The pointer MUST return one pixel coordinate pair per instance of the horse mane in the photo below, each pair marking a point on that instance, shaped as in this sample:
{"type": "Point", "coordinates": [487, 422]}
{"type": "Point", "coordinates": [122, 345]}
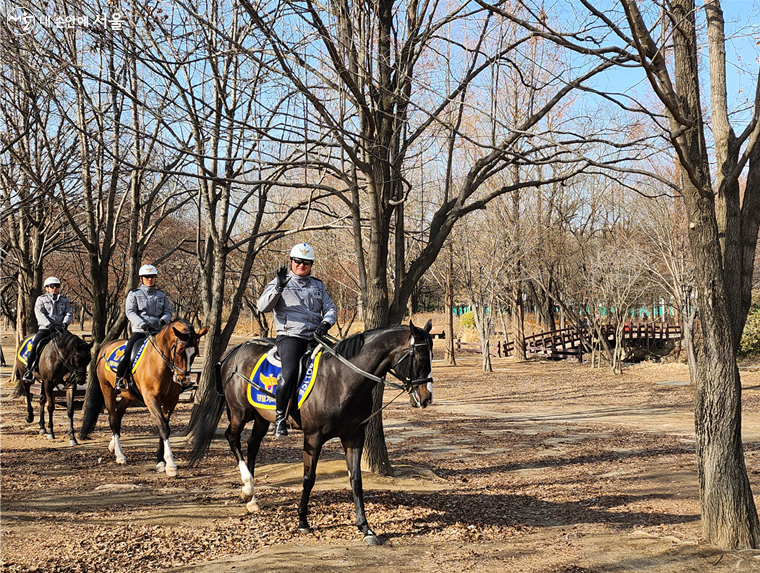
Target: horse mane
{"type": "Point", "coordinates": [350, 347]}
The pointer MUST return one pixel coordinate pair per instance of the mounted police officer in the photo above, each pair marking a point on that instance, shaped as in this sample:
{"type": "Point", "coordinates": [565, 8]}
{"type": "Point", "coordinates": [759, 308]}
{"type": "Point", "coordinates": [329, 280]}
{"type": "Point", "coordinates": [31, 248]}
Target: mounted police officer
{"type": "Point", "coordinates": [54, 314]}
{"type": "Point", "coordinates": [301, 308]}
{"type": "Point", "coordinates": [148, 310]}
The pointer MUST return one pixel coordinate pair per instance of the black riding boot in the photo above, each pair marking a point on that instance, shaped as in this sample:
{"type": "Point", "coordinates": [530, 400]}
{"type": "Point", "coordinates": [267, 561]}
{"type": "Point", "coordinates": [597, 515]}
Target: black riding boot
{"type": "Point", "coordinates": [282, 396]}
{"type": "Point", "coordinates": [34, 354]}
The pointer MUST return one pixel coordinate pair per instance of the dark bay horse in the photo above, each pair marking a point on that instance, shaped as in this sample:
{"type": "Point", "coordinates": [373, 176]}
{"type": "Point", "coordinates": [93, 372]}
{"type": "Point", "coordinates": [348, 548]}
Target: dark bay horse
{"type": "Point", "coordinates": [160, 377]}
{"type": "Point", "coordinates": [63, 362]}
{"type": "Point", "coordinates": [339, 405]}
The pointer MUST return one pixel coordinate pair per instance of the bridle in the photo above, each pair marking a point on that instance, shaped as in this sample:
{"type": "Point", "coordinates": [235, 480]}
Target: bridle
{"type": "Point", "coordinates": [63, 359]}
{"type": "Point", "coordinates": [171, 363]}
{"type": "Point", "coordinates": [409, 383]}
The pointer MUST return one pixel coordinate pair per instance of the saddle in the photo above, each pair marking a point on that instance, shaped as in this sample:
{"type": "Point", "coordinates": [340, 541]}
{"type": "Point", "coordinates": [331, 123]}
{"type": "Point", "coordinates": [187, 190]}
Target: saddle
{"type": "Point", "coordinates": [263, 380]}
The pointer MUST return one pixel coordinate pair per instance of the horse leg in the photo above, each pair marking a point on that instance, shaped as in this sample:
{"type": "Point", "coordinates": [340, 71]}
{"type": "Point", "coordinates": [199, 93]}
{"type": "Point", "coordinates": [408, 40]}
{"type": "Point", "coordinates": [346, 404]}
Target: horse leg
{"type": "Point", "coordinates": [29, 407]}
{"type": "Point", "coordinates": [50, 408]}
{"type": "Point", "coordinates": [164, 454]}
{"type": "Point", "coordinates": [70, 412]}
{"type": "Point", "coordinates": [43, 430]}
{"type": "Point", "coordinates": [353, 447]}
{"type": "Point", "coordinates": [232, 433]}
{"type": "Point", "coordinates": [115, 414]}
{"type": "Point", "coordinates": [312, 446]}
{"type": "Point", "coordinates": [260, 428]}
{"type": "Point", "coordinates": [166, 463]}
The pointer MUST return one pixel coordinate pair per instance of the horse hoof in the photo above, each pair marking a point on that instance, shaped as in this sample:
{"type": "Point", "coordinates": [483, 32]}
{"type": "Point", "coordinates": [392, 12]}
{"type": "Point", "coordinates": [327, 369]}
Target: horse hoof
{"type": "Point", "coordinates": [50, 436]}
{"type": "Point", "coordinates": [171, 471]}
{"type": "Point", "coordinates": [73, 442]}
{"type": "Point", "coordinates": [30, 418]}
{"type": "Point", "coordinates": [371, 540]}
{"type": "Point", "coordinates": [161, 467]}
{"type": "Point", "coordinates": [111, 446]}
{"type": "Point", "coordinates": [42, 432]}
{"type": "Point", "coordinates": [252, 506]}
{"type": "Point", "coordinates": [122, 461]}
{"type": "Point", "coordinates": [305, 530]}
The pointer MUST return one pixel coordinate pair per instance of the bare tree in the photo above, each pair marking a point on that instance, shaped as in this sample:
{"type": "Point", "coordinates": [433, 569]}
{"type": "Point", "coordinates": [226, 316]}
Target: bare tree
{"type": "Point", "coordinates": [665, 41]}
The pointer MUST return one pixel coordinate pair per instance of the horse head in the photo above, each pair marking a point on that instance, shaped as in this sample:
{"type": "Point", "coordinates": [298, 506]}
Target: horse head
{"type": "Point", "coordinates": [183, 342]}
{"type": "Point", "coordinates": [415, 368]}
{"type": "Point", "coordinates": [75, 354]}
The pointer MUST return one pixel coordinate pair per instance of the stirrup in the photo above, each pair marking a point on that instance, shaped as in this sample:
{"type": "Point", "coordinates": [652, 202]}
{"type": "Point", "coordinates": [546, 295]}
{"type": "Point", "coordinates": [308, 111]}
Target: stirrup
{"type": "Point", "coordinates": [121, 385]}
{"type": "Point", "coordinates": [280, 425]}
{"type": "Point", "coordinates": [28, 375]}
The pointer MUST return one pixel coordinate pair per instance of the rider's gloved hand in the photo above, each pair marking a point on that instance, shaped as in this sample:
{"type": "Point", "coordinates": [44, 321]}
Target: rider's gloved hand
{"type": "Point", "coordinates": [150, 329]}
{"type": "Point", "coordinates": [282, 278]}
{"type": "Point", "coordinates": [322, 329]}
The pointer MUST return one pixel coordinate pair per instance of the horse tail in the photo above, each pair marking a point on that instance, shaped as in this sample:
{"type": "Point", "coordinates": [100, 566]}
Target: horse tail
{"type": "Point", "coordinates": [94, 403]}
{"type": "Point", "coordinates": [19, 390]}
{"type": "Point", "coordinates": [210, 407]}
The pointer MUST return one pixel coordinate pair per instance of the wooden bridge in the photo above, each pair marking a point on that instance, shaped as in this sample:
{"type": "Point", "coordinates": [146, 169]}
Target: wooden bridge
{"type": "Point", "coordinates": [568, 342]}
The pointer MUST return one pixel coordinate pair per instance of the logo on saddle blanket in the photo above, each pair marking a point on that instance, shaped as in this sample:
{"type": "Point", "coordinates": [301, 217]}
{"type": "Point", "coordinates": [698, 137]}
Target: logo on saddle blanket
{"type": "Point", "coordinates": [25, 349]}
{"type": "Point", "coordinates": [264, 377]}
{"type": "Point", "coordinates": [117, 354]}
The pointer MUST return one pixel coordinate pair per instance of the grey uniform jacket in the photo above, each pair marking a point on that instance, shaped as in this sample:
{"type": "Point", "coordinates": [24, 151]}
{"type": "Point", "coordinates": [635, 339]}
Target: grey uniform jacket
{"type": "Point", "coordinates": [148, 306]}
{"type": "Point", "coordinates": [53, 309]}
{"type": "Point", "coordinates": [300, 307]}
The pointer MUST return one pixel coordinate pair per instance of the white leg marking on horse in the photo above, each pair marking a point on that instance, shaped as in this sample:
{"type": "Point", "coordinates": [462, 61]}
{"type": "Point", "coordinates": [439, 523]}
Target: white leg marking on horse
{"type": "Point", "coordinates": [171, 467]}
{"type": "Point", "coordinates": [115, 447]}
{"type": "Point", "coordinates": [247, 478]}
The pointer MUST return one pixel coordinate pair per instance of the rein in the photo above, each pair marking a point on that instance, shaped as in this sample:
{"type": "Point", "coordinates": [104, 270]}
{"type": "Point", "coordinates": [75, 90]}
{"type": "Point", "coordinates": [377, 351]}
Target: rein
{"type": "Point", "coordinates": [409, 383]}
{"type": "Point", "coordinates": [63, 361]}
{"type": "Point", "coordinates": [171, 365]}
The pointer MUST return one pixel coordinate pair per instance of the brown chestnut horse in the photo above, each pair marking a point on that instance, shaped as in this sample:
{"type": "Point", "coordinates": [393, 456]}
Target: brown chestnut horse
{"type": "Point", "coordinates": [161, 374]}
{"type": "Point", "coordinates": [62, 362]}
{"type": "Point", "coordinates": [339, 405]}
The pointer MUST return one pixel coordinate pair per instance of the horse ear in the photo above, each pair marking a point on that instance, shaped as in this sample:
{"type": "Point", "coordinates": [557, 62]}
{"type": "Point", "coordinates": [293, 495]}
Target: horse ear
{"type": "Point", "coordinates": [181, 335]}
{"type": "Point", "coordinates": [428, 325]}
{"type": "Point", "coordinates": [202, 331]}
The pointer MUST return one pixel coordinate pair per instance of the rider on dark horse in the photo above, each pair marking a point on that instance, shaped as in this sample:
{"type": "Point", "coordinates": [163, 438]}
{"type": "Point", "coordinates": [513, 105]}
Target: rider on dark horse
{"type": "Point", "coordinates": [54, 314]}
{"type": "Point", "coordinates": [148, 310]}
{"type": "Point", "coordinates": [301, 308]}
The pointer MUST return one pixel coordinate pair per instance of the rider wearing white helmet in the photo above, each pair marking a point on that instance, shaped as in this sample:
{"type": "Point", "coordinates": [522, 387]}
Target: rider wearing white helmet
{"type": "Point", "coordinates": [301, 308]}
{"type": "Point", "coordinates": [148, 310]}
{"type": "Point", "coordinates": [54, 313]}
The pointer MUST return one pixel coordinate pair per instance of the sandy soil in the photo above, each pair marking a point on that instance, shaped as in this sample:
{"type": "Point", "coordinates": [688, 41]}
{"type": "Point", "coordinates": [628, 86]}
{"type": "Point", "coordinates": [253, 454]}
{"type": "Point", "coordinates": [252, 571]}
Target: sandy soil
{"type": "Point", "coordinates": [536, 467]}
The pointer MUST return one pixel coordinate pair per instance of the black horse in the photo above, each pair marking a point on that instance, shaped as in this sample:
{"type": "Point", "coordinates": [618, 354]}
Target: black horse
{"type": "Point", "coordinates": [339, 405]}
{"type": "Point", "coordinates": [62, 362]}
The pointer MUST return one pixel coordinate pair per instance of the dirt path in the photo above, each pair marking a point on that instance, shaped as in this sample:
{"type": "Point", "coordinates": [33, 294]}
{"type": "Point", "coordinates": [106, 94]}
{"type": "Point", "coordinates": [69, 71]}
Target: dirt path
{"type": "Point", "coordinates": [538, 467]}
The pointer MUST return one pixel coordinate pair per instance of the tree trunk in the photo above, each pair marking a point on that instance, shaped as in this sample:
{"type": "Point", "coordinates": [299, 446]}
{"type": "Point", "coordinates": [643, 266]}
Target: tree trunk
{"type": "Point", "coordinates": [518, 322]}
{"type": "Point", "coordinates": [448, 355]}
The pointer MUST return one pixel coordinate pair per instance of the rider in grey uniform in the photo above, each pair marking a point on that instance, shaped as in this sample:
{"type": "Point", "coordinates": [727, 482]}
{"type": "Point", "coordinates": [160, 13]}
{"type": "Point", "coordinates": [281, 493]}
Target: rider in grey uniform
{"type": "Point", "coordinates": [54, 313]}
{"type": "Point", "coordinates": [301, 308]}
{"type": "Point", "coordinates": [148, 310]}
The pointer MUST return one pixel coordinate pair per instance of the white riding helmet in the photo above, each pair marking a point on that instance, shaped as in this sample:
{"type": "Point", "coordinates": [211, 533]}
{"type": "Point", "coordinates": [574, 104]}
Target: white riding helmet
{"type": "Point", "coordinates": [52, 281]}
{"type": "Point", "coordinates": [302, 251]}
{"type": "Point", "coordinates": [147, 270]}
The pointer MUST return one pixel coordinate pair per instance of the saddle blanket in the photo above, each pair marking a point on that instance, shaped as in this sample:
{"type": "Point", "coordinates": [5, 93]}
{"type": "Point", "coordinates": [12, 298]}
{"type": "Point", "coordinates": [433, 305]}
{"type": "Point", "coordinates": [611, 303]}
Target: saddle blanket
{"type": "Point", "coordinates": [264, 377]}
{"type": "Point", "coordinates": [117, 354]}
{"type": "Point", "coordinates": [25, 349]}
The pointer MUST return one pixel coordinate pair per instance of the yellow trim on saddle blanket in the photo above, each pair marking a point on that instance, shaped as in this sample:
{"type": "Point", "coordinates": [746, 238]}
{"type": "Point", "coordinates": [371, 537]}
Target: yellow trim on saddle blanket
{"type": "Point", "coordinates": [264, 375]}
{"type": "Point", "coordinates": [117, 355]}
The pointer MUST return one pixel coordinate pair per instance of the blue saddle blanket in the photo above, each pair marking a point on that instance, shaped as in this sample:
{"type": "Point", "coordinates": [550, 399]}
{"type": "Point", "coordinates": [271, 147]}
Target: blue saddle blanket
{"type": "Point", "coordinates": [263, 382]}
{"type": "Point", "coordinates": [25, 349]}
{"type": "Point", "coordinates": [117, 354]}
